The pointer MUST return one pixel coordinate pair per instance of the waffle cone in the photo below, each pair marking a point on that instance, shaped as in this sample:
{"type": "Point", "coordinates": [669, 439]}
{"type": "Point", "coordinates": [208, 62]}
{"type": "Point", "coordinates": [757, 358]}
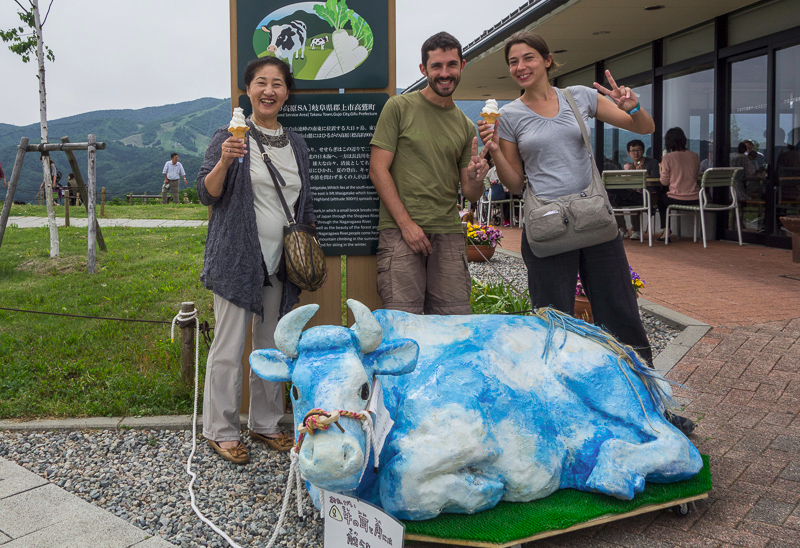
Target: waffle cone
{"type": "Point", "coordinates": [490, 117]}
{"type": "Point", "coordinates": [239, 131]}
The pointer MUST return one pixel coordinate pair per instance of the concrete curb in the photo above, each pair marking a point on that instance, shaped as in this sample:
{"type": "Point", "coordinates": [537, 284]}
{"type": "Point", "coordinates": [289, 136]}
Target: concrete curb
{"type": "Point", "coordinates": [165, 422]}
{"type": "Point", "coordinates": [691, 332]}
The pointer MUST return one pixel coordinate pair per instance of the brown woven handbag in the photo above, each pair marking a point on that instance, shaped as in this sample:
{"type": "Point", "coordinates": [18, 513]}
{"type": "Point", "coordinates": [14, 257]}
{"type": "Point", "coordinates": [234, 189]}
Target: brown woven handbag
{"type": "Point", "coordinates": [302, 255]}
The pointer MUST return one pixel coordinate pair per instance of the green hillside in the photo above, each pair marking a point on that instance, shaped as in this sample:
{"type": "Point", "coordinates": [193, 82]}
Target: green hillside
{"type": "Point", "coordinates": [138, 143]}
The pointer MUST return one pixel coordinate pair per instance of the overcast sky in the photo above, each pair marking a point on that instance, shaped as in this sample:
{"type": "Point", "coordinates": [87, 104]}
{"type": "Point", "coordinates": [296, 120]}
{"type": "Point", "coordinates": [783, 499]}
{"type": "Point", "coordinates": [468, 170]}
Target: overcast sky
{"type": "Point", "coordinates": [115, 54]}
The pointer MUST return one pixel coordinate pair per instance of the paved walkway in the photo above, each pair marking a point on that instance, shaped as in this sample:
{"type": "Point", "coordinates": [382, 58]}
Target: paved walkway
{"type": "Point", "coordinates": [742, 382]}
{"type": "Point", "coordinates": [36, 222]}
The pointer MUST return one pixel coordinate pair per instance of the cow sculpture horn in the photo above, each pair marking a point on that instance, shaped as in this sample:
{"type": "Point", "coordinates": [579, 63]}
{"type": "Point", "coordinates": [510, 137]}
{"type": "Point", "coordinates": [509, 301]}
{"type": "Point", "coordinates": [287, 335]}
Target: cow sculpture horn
{"type": "Point", "coordinates": [289, 329]}
{"type": "Point", "coordinates": [367, 329]}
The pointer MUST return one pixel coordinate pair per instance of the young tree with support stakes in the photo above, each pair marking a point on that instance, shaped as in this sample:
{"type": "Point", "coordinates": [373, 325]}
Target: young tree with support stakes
{"type": "Point", "coordinates": [23, 41]}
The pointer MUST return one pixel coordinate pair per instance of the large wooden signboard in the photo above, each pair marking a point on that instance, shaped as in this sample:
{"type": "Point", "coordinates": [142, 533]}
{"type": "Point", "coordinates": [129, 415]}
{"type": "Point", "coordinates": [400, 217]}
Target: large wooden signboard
{"type": "Point", "coordinates": [373, 74]}
{"type": "Point", "coordinates": [337, 129]}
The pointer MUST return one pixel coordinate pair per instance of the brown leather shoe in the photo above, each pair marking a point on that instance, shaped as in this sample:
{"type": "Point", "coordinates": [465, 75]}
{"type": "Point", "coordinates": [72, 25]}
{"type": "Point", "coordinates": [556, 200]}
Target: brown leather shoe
{"type": "Point", "coordinates": [284, 442]}
{"type": "Point", "coordinates": [236, 455]}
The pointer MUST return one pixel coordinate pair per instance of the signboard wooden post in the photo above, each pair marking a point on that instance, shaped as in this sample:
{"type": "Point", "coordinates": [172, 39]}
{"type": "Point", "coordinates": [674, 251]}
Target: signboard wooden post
{"type": "Point", "coordinates": [331, 62]}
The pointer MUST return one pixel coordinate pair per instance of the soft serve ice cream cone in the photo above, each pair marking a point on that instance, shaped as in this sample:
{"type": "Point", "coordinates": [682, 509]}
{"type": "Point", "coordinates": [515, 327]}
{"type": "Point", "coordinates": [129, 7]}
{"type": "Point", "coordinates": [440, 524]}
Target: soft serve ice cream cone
{"type": "Point", "coordinates": [490, 112]}
{"type": "Point", "coordinates": [238, 126]}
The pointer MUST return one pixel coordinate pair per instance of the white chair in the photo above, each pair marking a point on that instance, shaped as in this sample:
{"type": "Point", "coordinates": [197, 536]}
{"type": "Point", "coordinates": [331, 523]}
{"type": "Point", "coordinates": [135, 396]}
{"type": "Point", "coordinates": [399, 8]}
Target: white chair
{"type": "Point", "coordinates": [486, 207]}
{"type": "Point", "coordinates": [629, 179]}
{"type": "Point", "coordinates": [715, 177]}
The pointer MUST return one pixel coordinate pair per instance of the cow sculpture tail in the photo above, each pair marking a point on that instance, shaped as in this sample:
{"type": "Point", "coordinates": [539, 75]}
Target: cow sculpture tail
{"type": "Point", "coordinates": [651, 379]}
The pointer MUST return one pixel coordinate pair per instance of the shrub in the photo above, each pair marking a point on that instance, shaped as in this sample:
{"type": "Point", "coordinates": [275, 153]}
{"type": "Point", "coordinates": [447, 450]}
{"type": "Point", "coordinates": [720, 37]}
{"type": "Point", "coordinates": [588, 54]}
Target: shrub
{"type": "Point", "coordinates": [497, 299]}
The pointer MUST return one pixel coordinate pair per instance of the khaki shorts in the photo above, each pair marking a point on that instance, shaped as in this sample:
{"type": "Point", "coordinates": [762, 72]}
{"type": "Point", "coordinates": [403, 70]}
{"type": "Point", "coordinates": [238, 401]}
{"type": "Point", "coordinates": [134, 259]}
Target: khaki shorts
{"type": "Point", "coordinates": [412, 282]}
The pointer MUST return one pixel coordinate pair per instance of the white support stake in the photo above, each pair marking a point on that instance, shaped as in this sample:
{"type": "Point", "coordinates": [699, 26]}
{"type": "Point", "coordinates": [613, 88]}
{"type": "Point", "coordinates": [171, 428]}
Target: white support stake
{"type": "Point", "coordinates": [92, 257]}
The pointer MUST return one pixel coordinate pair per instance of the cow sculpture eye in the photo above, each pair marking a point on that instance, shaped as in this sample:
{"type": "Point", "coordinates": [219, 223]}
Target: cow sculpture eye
{"type": "Point", "coordinates": [295, 393]}
{"type": "Point", "coordinates": [365, 391]}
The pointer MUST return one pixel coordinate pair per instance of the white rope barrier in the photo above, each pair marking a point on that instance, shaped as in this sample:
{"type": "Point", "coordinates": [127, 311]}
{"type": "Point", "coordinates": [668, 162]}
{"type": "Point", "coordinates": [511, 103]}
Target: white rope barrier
{"type": "Point", "coordinates": [294, 468]}
{"type": "Point", "coordinates": [185, 317]}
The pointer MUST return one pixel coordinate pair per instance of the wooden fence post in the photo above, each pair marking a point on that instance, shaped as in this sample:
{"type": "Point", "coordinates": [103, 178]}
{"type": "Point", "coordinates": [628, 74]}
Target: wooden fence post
{"type": "Point", "coordinates": [103, 202]}
{"type": "Point", "coordinates": [83, 193]}
{"type": "Point", "coordinates": [12, 185]}
{"type": "Point", "coordinates": [187, 345]}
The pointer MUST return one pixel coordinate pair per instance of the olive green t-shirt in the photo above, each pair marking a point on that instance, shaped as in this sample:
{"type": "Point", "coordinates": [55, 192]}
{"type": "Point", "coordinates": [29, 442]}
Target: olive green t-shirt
{"type": "Point", "coordinates": [430, 144]}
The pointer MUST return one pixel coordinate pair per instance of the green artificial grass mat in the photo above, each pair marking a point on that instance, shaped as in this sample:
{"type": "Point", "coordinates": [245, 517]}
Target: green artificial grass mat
{"type": "Point", "coordinates": [510, 521]}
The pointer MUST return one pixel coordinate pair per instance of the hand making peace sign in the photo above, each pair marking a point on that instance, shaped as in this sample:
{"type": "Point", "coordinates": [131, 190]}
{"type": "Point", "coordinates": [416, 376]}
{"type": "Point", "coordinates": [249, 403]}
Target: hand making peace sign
{"type": "Point", "coordinates": [478, 166]}
{"type": "Point", "coordinates": [623, 97]}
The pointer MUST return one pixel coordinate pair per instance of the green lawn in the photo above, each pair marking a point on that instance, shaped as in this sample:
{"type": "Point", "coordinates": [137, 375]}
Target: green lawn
{"type": "Point", "coordinates": [57, 366]}
{"type": "Point", "coordinates": [152, 210]}
{"type": "Point", "coordinates": [53, 366]}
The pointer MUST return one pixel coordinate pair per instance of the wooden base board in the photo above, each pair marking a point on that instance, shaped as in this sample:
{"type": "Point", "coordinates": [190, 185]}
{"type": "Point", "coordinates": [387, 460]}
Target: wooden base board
{"type": "Point", "coordinates": [554, 532]}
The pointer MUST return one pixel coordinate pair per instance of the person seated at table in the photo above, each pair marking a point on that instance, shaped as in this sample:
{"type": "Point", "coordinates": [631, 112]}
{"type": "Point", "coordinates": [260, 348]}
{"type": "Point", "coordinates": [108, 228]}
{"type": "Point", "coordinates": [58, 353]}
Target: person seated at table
{"type": "Point", "coordinates": [633, 197]}
{"type": "Point", "coordinates": [680, 169]}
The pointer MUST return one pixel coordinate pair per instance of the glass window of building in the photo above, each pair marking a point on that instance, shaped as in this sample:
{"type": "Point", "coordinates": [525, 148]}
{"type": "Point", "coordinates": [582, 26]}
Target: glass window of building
{"type": "Point", "coordinates": [691, 43]}
{"type": "Point", "coordinates": [689, 104]}
{"type": "Point", "coordinates": [747, 129]}
{"type": "Point", "coordinates": [761, 20]}
{"type": "Point", "coordinates": [628, 64]}
{"type": "Point", "coordinates": [786, 153]}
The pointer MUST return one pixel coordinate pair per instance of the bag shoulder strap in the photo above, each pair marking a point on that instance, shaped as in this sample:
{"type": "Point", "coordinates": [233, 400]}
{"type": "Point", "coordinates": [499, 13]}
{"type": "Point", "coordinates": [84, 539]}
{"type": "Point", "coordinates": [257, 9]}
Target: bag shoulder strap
{"type": "Point", "coordinates": [277, 178]}
{"type": "Point", "coordinates": [596, 178]}
{"type": "Point", "coordinates": [576, 111]}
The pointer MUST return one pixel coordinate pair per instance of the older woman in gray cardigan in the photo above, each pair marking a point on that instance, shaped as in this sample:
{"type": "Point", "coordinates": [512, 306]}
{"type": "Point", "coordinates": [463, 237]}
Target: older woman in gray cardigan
{"type": "Point", "coordinates": [242, 259]}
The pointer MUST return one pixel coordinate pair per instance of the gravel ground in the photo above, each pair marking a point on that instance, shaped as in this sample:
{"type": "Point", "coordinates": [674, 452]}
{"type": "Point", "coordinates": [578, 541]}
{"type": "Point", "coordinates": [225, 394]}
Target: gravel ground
{"type": "Point", "coordinates": [140, 476]}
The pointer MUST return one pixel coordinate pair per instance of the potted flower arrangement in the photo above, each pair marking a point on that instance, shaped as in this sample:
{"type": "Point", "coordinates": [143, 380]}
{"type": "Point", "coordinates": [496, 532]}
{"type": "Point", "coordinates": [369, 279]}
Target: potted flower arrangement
{"type": "Point", "coordinates": [481, 241]}
{"type": "Point", "coordinates": [583, 309]}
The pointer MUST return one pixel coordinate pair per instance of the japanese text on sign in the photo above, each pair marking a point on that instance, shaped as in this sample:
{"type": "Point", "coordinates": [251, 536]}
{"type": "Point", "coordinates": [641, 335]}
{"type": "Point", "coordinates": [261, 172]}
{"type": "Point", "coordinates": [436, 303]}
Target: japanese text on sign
{"type": "Point", "coordinates": [352, 522]}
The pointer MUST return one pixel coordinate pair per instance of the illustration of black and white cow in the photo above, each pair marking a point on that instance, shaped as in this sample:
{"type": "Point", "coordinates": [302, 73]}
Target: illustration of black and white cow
{"type": "Point", "coordinates": [286, 40]}
{"type": "Point", "coordinates": [319, 42]}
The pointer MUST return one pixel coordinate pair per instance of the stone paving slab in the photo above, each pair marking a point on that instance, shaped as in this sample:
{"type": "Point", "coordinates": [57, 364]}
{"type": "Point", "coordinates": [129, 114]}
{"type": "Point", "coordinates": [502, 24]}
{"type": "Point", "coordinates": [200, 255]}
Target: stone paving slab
{"type": "Point", "coordinates": [14, 479]}
{"type": "Point", "coordinates": [37, 514]}
{"type": "Point", "coordinates": [95, 528]}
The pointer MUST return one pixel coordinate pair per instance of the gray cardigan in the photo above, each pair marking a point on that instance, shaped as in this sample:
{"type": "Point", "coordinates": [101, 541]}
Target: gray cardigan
{"type": "Point", "coordinates": [232, 267]}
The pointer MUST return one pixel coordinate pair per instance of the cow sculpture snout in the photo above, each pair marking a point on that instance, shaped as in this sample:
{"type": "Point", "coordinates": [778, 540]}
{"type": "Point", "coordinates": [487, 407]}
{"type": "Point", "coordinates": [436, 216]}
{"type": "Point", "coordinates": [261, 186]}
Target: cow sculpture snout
{"type": "Point", "coordinates": [332, 460]}
{"type": "Point", "coordinates": [272, 49]}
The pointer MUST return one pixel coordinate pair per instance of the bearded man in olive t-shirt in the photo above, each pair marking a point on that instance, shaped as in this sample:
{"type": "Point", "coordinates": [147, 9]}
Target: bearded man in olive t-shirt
{"type": "Point", "coordinates": [422, 149]}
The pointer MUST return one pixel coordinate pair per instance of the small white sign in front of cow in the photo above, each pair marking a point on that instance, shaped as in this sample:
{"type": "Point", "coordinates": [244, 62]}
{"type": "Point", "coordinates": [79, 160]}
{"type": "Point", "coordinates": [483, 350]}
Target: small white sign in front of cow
{"type": "Point", "coordinates": [353, 522]}
{"type": "Point", "coordinates": [382, 420]}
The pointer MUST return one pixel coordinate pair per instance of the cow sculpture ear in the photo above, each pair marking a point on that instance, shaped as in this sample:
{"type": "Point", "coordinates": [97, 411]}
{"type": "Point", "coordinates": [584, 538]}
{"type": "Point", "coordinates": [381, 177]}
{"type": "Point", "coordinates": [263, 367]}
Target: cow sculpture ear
{"type": "Point", "coordinates": [396, 357]}
{"type": "Point", "coordinates": [272, 365]}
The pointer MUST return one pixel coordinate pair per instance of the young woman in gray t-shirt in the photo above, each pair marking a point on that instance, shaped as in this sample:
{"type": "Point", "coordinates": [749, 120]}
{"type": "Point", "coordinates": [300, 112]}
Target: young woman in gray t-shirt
{"type": "Point", "coordinates": [538, 138]}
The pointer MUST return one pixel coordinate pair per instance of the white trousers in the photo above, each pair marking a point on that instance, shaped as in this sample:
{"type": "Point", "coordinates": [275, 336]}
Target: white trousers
{"type": "Point", "coordinates": [223, 387]}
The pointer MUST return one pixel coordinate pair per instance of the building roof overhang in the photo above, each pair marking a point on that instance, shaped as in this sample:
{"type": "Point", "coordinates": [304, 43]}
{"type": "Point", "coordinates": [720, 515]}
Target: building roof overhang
{"type": "Point", "coordinates": [580, 33]}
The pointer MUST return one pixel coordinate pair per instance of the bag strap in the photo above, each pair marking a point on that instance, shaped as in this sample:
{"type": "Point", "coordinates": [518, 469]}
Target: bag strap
{"type": "Point", "coordinates": [577, 113]}
{"type": "Point", "coordinates": [277, 178]}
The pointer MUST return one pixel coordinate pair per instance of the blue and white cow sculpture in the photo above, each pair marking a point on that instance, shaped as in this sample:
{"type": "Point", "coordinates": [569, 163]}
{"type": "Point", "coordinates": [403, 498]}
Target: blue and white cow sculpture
{"type": "Point", "coordinates": [486, 408]}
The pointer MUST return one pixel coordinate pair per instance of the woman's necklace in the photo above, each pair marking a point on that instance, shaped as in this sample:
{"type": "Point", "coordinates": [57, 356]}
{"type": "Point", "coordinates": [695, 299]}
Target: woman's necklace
{"type": "Point", "coordinates": [273, 141]}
